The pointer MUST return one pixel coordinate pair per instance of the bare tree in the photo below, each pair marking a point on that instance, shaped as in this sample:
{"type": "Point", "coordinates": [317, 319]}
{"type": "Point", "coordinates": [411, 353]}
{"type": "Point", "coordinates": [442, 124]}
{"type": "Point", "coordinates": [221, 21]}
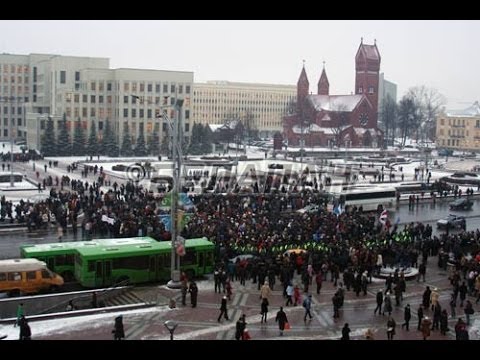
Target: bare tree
{"type": "Point", "coordinates": [340, 119]}
{"type": "Point", "coordinates": [409, 117]}
{"type": "Point", "coordinates": [388, 116]}
{"type": "Point", "coordinates": [430, 103]}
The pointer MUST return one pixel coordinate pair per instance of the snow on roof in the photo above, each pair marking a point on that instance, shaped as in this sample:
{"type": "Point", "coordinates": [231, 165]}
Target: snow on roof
{"type": "Point", "coordinates": [21, 265]}
{"type": "Point", "coordinates": [215, 127]}
{"type": "Point", "coordinates": [361, 131]}
{"type": "Point", "coordinates": [335, 102]}
{"type": "Point", "coordinates": [471, 111]}
{"type": "Point", "coordinates": [297, 129]}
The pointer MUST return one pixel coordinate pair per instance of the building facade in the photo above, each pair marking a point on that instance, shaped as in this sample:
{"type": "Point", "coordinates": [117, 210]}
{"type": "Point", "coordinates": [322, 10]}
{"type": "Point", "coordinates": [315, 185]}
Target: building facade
{"type": "Point", "coordinates": [459, 129]}
{"type": "Point", "coordinates": [259, 106]}
{"type": "Point", "coordinates": [386, 89]}
{"type": "Point", "coordinates": [338, 120]}
{"type": "Point", "coordinates": [86, 89]}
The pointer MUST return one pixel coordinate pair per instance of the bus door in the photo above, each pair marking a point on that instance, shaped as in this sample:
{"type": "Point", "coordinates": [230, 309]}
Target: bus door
{"type": "Point", "coordinates": [103, 272]}
{"type": "Point", "coordinates": [163, 268]}
{"type": "Point", "coordinates": [201, 263]}
{"type": "Point", "coordinates": [153, 268]}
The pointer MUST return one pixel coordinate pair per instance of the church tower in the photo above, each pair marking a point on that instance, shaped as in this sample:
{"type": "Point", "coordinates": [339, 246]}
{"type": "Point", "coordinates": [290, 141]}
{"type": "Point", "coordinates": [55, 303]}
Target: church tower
{"type": "Point", "coordinates": [303, 87]}
{"type": "Point", "coordinates": [367, 72]}
{"type": "Point", "coordinates": [323, 84]}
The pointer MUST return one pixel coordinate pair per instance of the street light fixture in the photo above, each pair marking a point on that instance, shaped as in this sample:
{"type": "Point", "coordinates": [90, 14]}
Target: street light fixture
{"type": "Point", "coordinates": [171, 326]}
{"type": "Point", "coordinates": [176, 131]}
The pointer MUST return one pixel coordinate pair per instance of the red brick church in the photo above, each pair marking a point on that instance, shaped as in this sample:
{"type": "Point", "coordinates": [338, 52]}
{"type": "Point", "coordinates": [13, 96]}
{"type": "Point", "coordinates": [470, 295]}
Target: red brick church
{"type": "Point", "coordinates": [338, 120]}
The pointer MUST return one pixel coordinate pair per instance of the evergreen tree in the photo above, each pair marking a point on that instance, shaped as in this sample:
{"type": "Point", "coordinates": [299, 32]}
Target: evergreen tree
{"type": "Point", "coordinates": [153, 148]}
{"type": "Point", "coordinates": [49, 147]}
{"type": "Point", "coordinates": [126, 149]}
{"type": "Point", "coordinates": [207, 140]}
{"type": "Point", "coordinates": [140, 148]}
{"type": "Point", "coordinates": [109, 143]}
{"type": "Point", "coordinates": [93, 146]}
{"type": "Point", "coordinates": [63, 143]}
{"type": "Point", "coordinates": [78, 139]}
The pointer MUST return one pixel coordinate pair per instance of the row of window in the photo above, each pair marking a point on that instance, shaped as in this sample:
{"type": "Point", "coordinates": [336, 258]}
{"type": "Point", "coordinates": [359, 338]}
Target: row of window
{"type": "Point", "coordinates": [17, 276]}
{"type": "Point", "coordinates": [19, 121]}
{"type": "Point", "coordinates": [371, 90]}
{"type": "Point", "coordinates": [20, 134]}
{"type": "Point", "coordinates": [457, 122]}
{"type": "Point", "coordinates": [12, 68]}
{"type": "Point", "coordinates": [16, 89]}
{"type": "Point", "coordinates": [5, 110]}
{"type": "Point", "coordinates": [20, 79]}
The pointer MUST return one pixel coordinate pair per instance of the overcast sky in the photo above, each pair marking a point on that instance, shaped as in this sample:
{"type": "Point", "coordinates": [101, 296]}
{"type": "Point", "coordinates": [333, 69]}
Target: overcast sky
{"type": "Point", "coordinates": [440, 54]}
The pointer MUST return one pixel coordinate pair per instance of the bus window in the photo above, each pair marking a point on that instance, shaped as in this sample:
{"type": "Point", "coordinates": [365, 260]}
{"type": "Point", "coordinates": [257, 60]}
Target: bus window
{"type": "Point", "coordinates": [99, 268]}
{"type": "Point", "coordinates": [31, 275]}
{"type": "Point", "coordinates": [14, 276]}
{"type": "Point", "coordinates": [189, 258]}
{"type": "Point", "coordinates": [3, 276]}
{"type": "Point", "coordinates": [108, 268]}
{"type": "Point", "coordinates": [69, 258]}
{"type": "Point", "coordinates": [45, 274]}
{"type": "Point", "coordinates": [201, 259]}
{"type": "Point", "coordinates": [91, 266]}
{"type": "Point", "coordinates": [209, 260]}
{"type": "Point", "coordinates": [161, 261]}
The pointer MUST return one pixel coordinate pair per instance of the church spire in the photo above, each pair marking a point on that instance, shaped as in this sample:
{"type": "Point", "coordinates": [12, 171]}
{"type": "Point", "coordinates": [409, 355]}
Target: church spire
{"type": "Point", "coordinates": [303, 86]}
{"type": "Point", "coordinates": [323, 84]}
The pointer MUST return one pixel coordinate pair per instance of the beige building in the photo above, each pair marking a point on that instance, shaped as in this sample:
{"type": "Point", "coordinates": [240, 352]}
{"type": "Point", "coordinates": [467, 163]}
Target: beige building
{"type": "Point", "coordinates": [460, 129]}
{"type": "Point", "coordinates": [263, 105]}
{"type": "Point", "coordinates": [35, 86]}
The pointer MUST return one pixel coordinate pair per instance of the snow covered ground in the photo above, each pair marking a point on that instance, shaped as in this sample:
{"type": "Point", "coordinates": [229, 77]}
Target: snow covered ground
{"type": "Point", "coordinates": [76, 323]}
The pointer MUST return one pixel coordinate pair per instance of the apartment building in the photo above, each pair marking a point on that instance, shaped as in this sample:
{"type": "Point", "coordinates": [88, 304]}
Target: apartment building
{"type": "Point", "coordinates": [459, 129]}
{"type": "Point", "coordinates": [36, 86]}
{"type": "Point", "coordinates": [260, 105]}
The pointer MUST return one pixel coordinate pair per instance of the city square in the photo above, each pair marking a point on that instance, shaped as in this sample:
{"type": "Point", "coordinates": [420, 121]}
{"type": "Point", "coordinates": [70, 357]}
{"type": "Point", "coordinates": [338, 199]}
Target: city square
{"type": "Point", "coordinates": [137, 203]}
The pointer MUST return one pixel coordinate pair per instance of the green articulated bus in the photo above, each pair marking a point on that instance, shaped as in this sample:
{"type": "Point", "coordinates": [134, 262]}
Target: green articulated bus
{"type": "Point", "coordinates": [107, 265]}
{"type": "Point", "coordinates": [60, 257]}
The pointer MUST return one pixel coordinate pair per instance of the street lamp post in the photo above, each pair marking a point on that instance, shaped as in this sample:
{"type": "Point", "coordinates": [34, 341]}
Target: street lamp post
{"type": "Point", "coordinates": [176, 131]}
{"type": "Point", "coordinates": [171, 326]}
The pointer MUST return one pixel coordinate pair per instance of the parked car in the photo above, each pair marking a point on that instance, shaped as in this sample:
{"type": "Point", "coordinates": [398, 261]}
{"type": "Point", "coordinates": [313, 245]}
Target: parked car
{"type": "Point", "coordinates": [461, 204]}
{"type": "Point", "coordinates": [452, 222]}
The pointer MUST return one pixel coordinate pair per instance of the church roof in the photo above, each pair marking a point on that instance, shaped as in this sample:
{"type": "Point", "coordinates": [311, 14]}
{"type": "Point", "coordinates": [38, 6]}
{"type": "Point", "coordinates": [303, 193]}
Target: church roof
{"type": "Point", "coordinates": [471, 111]}
{"type": "Point", "coordinates": [370, 51]}
{"type": "Point", "coordinates": [361, 131]}
{"type": "Point", "coordinates": [303, 77]}
{"type": "Point", "coordinates": [335, 102]}
{"type": "Point", "coordinates": [297, 129]}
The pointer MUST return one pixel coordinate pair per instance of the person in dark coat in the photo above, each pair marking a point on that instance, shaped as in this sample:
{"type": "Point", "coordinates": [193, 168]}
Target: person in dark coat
{"type": "Point", "coordinates": [345, 332]}
{"type": "Point", "coordinates": [184, 290]}
{"type": "Point", "coordinates": [426, 297]}
{"type": "Point", "coordinates": [281, 318]}
{"type": "Point", "coordinates": [444, 322]}
{"type": "Point", "coordinates": [240, 327]}
{"type": "Point", "coordinates": [193, 289]}
{"type": "Point", "coordinates": [379, 302]}
{"type": "Point", "coordinates": [420, 317]}
{"type": "Point", "coordinates": [390, 328]}
{"type": "Point", "coordinates": [407, 315]}
{"type": "Point", "coordinates": [118, 332]}
{"type": "Point", "coordinates": [223, 309]}
{"type": "Point", "coordinates": [25, 332]}
{"type": "Point", "coordinates": [264, 310]}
